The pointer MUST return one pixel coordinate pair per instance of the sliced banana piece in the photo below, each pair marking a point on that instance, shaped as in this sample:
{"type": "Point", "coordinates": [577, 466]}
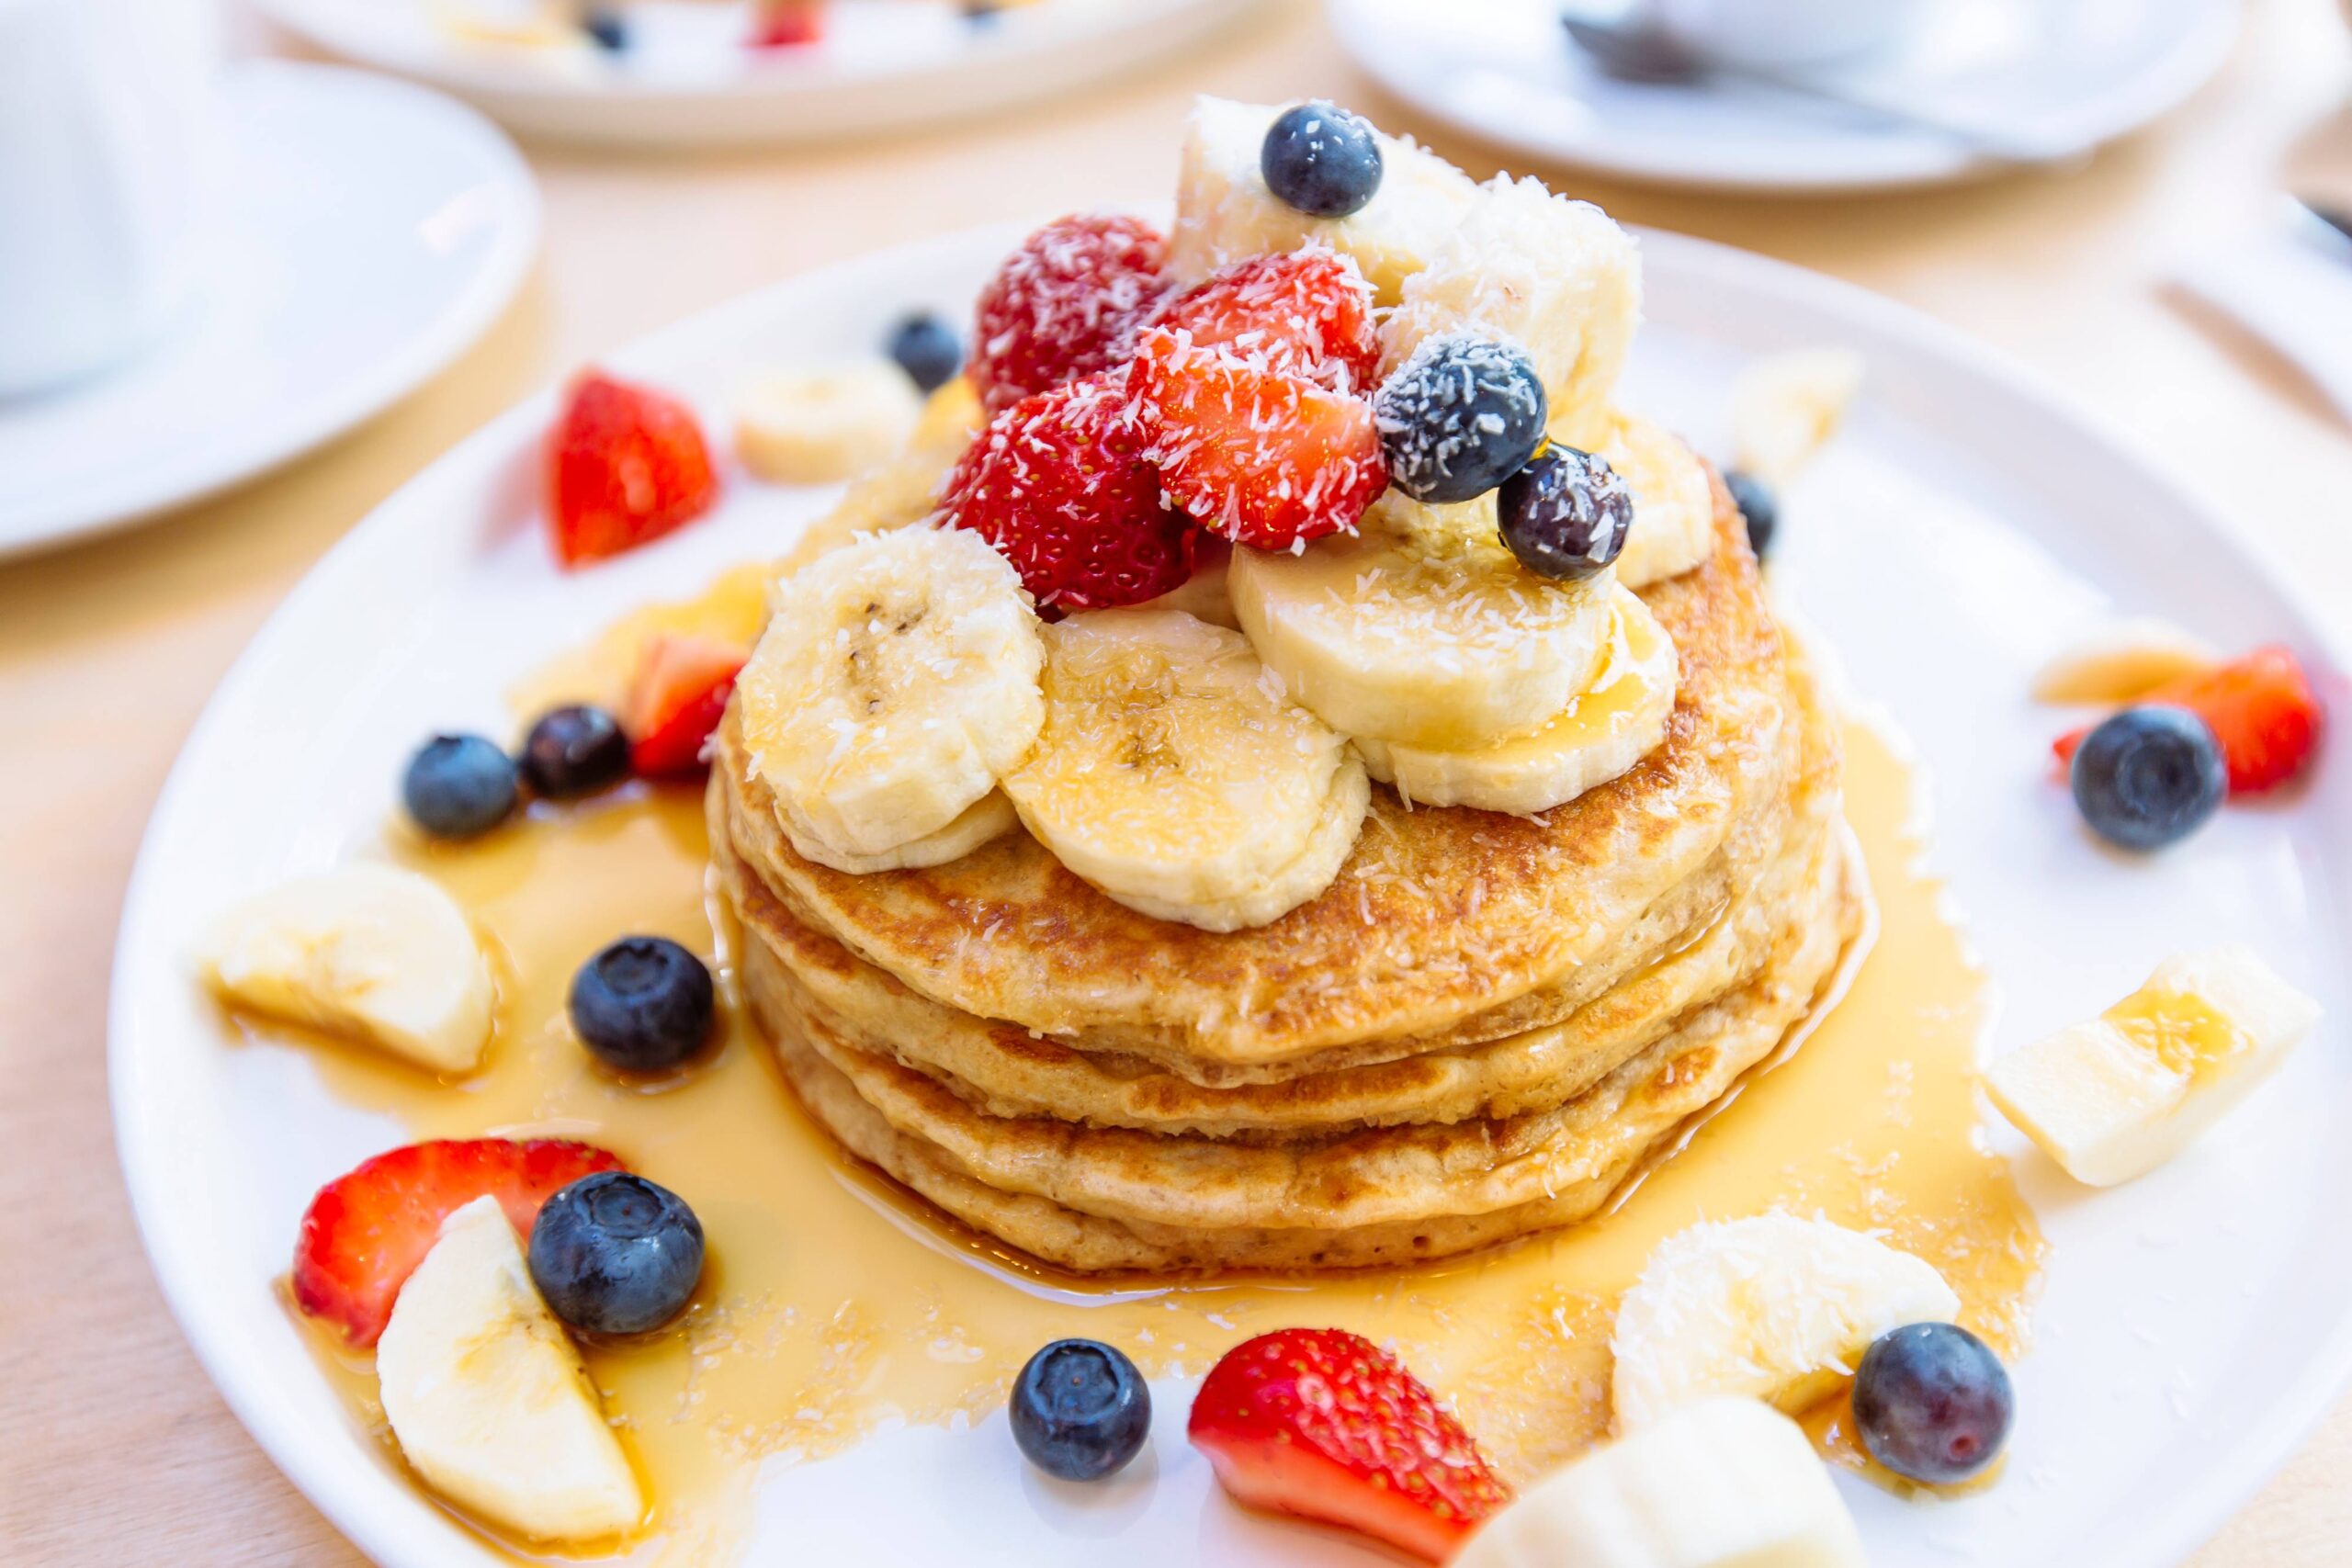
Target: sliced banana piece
{"type": "Point", "coordinates": [896, 683]}
{"type": "Point", "coordinates": [1174, 774]}
{"type": "Point", "coordinates": [1205, 594]}
{"type": "Point", "coordinates": [2123, 659]}
{"type": "Point", "coordinates": [1421, 629]}
{"type": "Point", "coordinates": [367, 953]}
{"type": "Point", "coordinates": [2114, 1098]}
{"type": "Point", "coordinates": [1603, 732]}
{"type": "Point", "coordinates": [991, 817]}
{"type": "Point", "coordinates": [1774, 1307]}
{"type": "Point", "coordinates": [808, 427]}
{"type": "Point", "coordinates": [486, 1396]}
{"type": "Point", "coordinates": [1674, 503]}
{"type": "Point", "coordinates": [1726, 1483]}
{"type": "Point", "coordinates": [1784, 408]}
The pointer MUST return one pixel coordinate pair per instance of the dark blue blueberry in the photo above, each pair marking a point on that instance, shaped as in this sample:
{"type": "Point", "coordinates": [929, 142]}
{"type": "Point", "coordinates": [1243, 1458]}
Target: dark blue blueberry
{"type": "Point", "coordinates": [458, 786]}
{"type": "Point", "coordinates": [1758, 508]}
{"type": "Point", "coordinates": [1461, 416]}
{"type": "Point", "coordinates": [1565, 515]}
{"type": "Point", "coordinates": [1079, 1410]}
{"type": "Point", "coordinates": [1932, 1403]}
{"type": "Point", "coordinates": [2149, 776]}
{"type": "Point", "coordinates": [606, 28]}
{"type": "Point", "coordinates": [643, 1004]}
{"type": "Point", "coordinates": [614, 1254]}
{"type": "Point", "coordinates": [981, 11]}
{"type": "Point", "coordinates": [572, 751]}
{"type": "Point", "coordinates": [1320, 159]}
{"type": "Point", "coordinates": [927, 349]}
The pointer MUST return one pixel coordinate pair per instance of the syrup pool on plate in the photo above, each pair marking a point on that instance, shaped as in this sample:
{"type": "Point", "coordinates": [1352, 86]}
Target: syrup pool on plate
{"type": "Point", "coordinates": [833, 1303]}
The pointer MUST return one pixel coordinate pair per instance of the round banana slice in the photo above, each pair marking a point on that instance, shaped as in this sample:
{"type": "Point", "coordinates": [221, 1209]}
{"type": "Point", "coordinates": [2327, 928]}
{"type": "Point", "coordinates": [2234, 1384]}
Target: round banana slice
{"type": "Point", "coordinates": [1174, 775]}
{"type": "Point", "coordinates": [896, 683]}
{"type": "Point", "coordinates": [1421, 628]}
{"type": "Point", "coordinates": [991, 817]}
{"type": "Point", "coordinates": [1674, 504]}
{"type": "Point", "coordinates": [1603, 732]}
{"type": "Point", "coordinates": [808, 427]}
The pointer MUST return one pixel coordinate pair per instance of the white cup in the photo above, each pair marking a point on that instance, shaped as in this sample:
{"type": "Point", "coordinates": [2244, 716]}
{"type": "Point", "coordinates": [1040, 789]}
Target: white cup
{"type": "Point", "coordinates": [1772, 35]}
{"type": "Point", "coordinates": [109, 164]}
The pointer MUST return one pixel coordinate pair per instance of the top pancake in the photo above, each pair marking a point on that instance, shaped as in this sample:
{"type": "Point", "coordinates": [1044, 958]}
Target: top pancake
{"type": "Point", "coordinates": [1442, 924]}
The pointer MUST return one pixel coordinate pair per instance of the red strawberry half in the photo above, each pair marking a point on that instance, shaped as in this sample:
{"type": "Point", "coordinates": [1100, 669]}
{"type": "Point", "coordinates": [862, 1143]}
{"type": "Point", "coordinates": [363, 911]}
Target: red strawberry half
{"type": "Point", "coordinates": [1306, 313]}
{"type": "Point", "coordinates": [1058, 485]}
{"type": "Point", "coordinates": [2260, 707]}
{"type": "Point", "coordinates": [625, 463]}
{"type": "Point", "coordinates": [781, 24]}
{"type": "Point", "coordinates": [677, 699]}
{"type": "Point", "coordinates": [1324, 1424]}
{"type": "Point", "coordinates": [1258, 456]}
{"type": "Point", "coordinates": [365, 1233]}
{"type": "Point", "coordinates": [1066, 304]}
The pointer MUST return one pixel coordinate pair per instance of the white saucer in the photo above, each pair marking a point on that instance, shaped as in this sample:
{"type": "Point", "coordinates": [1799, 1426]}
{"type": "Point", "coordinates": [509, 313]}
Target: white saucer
{"type": "Point", "coordinates": [2073, 72]}
{"type": "Point", "coordinates": [373, 231]}
{"type": "Point", "coordinates": [686, 79]}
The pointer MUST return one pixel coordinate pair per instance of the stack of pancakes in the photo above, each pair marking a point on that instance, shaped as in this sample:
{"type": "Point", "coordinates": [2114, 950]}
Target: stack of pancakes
{"type": "Point", "coordinates": [1477, 1031]}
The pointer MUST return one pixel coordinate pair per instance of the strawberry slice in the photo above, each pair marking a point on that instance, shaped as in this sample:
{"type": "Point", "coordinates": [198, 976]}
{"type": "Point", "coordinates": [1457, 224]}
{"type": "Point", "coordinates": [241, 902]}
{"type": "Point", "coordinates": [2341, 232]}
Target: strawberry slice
{"type": "Point", "coordinates": [1324, 1424]}
{"type": "Point", "coordinates": [2261, 707]}
{"type": "Point", "coordinates": [365, 1233]}
{"type": "Point", "coordinates": [781, 24]}
{"type": "Point", "coordinates": [1305, 313]}
{"type": "Point", "coordinates": [1066, 303]}
{"type": "Point", "coordinates": [677, 699]}
{"type": "Point", "coordinates": [1256, 456]}
{"type": "Point", "coordinates": [625, 463]}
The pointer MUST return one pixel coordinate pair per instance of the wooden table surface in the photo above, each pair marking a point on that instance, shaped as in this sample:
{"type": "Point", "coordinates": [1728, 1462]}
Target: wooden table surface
{"type": "Point", "coordinates": [113, 1446]}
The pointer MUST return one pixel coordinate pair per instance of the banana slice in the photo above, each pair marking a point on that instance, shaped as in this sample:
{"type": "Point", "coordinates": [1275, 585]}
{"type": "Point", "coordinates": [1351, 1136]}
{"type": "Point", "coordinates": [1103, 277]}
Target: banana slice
{"type": "Point", "coordinates": [367, 953]}
{"type": "Point", "coordinates": [991, 817]}
{"type": "Point", "coordinates": [1727, 1484]}
{"type": "Point", "coordinates": [1205, 594]}
{"type": "Point", "coordinates": [1785, 409]}
{"type": "Point", "coordinates": [1774, 1307]}
{"type": "Point", "coordinates": [1421, 629]}
{"type": "Point", "coordinates": [1673, 503]}
{"type": "Point", "coordinates": [2123, 659]}
{"type": "Point", "coordinates": [1175, 776]}
{"type": "Point", "coordinates": [896, 683]}
{"type": "Point", "coordinates": [2114, 1098]}
{"type": "Point", "coordinates": [1225, 214]}
{"type": "Point", "coordinates": [1604, 731]}
{"type": "Point", "coordinates": [486, 1396]}
{"type": "Point", "coordinates": [809, 427]}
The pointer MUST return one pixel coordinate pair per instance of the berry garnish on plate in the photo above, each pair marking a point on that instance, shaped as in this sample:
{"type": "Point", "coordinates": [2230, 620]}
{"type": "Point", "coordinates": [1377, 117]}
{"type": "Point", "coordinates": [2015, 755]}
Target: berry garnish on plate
{"type": "Point", "coordinates": [573, 749]}
{"type": "Point", "coordinates": [1308, 312]}
{"type": "Point", "coordinates": [1759, 508]}
{"type": "Point", "coordinates": [625, 463]}
{"type": "Point", "coordinates": [676, 700]}
{"type": "Point", "coordinates": [1257, 456]}
{"type": "Point", "coordinates": [642, 1004]}
{"type": "Point", "coordinates": [1079, 1410]}
{"type": "Point", "coordinates": [1324, 1424]}
{"type": "Point", "coordinates": [1066, 303]}
{"type": "Point", "coordinates": [1932, 1403]}
{"type": "Point", "coordinates": [365, 1232]}
{"type": "Point", "coordinates": [605, 27]}
{"type": "Point", "coordinates": [2149, 776]}
{"type": "Point", "coordinates": [1461, 414]}
{"type": "Point", "coordinates": [1565, 515]}
{"type": "Point", "coordinates": [458, 786]}
{"type": "Point", "coordinates": [1321, 159]}
{"type": "Point", "coordinates": [784, 23]}
{"type": "Point", "coordinates": [927, 349]}
{"type": "Point", "coordinates": [2261, 707]}
{"type": "Point", "coordinates": [614, 1253]}
{"type": "Point", "coordinates": [1058, 484]}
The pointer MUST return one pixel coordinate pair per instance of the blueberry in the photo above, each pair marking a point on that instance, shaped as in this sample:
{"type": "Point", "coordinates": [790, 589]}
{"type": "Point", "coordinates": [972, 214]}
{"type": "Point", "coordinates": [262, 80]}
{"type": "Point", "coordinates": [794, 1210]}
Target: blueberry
{"type": "Point", "coordinates": [1320, 159]}
{"type": "Point", "coordinates": [605, 27]}
{"type": "Point", "coordinates": [643, 1004]}
{"type": "Point", "coordinates": [927, 349]}
{"type": "Point", "coordinates": [2149, 776]}
{"type": "Point", "coordinates": [1461, 416]}
{"type": "Point", "coordinates": [1079, 1410]}
{"type": "Point", "coordinates": [1932, 1403]}
{"type": "Point", "coordinates": [614, 1254]}
{"type": "Point", "coordinates": [458, 786]}
{"type": "Point", "coordinates": [1758, 508]}
{"type": "Point", "coordinates": [575, 750]}
{"type": "Point", "coordinates": [1565, 515]}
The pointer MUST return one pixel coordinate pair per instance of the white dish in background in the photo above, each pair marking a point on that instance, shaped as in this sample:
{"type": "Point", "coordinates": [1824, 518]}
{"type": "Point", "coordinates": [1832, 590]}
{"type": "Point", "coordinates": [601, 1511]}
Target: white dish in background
{"type": "Point", "coordinates": [688, 80]}
{"type": "Point", "coordinates": [1962, 527]}
{"type": "Point", "coordinates": [371, 232]}
{"type": "Point", "coordinates": [2073, 72]}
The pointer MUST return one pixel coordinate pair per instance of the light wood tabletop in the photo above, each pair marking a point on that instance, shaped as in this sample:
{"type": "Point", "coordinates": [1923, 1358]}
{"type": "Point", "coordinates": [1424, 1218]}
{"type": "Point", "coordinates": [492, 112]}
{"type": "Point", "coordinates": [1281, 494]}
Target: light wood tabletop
{"type": "Point", "coordinates": [113, 1446]}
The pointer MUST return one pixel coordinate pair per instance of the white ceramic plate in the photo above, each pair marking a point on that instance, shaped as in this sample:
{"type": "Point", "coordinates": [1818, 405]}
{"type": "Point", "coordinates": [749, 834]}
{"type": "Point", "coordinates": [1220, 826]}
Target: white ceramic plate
{"type": "Point", "coordinates": [2071, 72]}
{"type": "Point", "coordinates": [1959, 529]}
{"type": "Point", "coordinates": [687, 80]}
